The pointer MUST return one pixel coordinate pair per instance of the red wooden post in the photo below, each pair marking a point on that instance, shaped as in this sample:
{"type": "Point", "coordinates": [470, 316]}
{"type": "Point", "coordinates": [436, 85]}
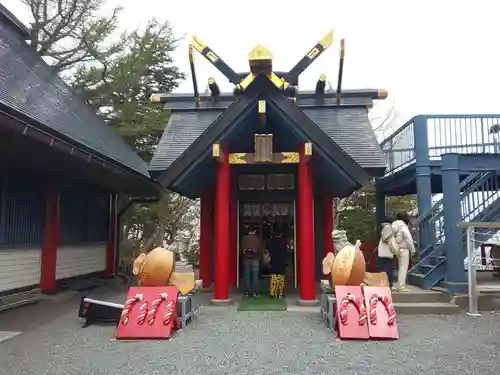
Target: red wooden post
{"type": "Point", "coordinates": [112, 236]}
{"type": "Point", "coordinates": [51, 240]}
{"type": "Point", "coordinates": [205, 239]}
{"type": "Point", "coordinates": [306, 266]}
{"type": "Point", "coordinates": [222, 227]}
{"type": "Point", "coordinates": [234, 239]}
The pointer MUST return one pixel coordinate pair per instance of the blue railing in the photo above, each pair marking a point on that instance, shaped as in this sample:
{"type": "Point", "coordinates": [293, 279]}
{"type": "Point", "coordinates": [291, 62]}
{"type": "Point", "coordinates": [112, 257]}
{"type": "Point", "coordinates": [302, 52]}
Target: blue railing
{"type": "Point", "coordinates": [480, 193]}
{"type": "Point", "coordinates": [464, 134]}
{"type": "Point", "coordinates": [399, 148]}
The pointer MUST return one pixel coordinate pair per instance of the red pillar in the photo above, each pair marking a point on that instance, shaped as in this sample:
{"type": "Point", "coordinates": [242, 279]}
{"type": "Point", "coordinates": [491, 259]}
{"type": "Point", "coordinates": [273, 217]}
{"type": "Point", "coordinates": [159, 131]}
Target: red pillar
{"type": "Point", "coordinates": [306, 266]}
{"type": "Point", "coordinates": [222, 235]}
{"type": "Point", "coordinates": [205, 239]}
{"type": "Point", "coordinates": [113, 235]}
{"type": "Point", "coordinates": [234, 238]}
{"type": "Point", "coordinates": [328, 224]}
{"type": "Point", "coordinates": [51, 240]}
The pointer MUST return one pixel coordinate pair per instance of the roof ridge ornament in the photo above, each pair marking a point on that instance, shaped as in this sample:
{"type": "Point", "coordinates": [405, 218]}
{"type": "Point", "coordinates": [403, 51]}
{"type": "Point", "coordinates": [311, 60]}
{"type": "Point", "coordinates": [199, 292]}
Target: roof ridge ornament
{"type": "Point", "coordinates": [260, 60]}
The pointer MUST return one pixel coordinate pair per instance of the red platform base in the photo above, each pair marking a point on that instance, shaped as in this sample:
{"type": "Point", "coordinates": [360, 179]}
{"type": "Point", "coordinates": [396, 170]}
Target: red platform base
{"type": "Point", "coordinates": [381, 313]}
{"type": "Point", "coordinates": [351, 313]}
{"type": "Point", "coordinates": [148, 313]}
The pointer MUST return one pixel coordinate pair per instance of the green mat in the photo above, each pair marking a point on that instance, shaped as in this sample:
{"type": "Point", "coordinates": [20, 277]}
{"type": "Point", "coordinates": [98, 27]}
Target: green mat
{"type": "Point", "coordinates": [262, 303]}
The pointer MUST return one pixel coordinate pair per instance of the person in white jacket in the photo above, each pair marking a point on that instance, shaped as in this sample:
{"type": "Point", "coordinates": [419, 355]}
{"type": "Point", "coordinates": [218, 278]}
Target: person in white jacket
{"type": "Point", "coordinates": [387, 248]}
{"type": "Point", "coordinates": [404, 240]}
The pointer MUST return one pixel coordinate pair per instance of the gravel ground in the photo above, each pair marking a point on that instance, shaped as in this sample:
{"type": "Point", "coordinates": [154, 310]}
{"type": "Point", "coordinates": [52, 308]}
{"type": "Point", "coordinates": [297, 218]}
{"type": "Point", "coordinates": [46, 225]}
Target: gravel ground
{"type": "Point", "coordinates": [224, 341]}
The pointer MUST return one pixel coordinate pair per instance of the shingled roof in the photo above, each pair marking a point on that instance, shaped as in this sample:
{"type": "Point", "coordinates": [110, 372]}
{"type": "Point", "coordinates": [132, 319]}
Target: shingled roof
{"type": "Point", "coordinates": [347, 125]}
{"type": "Point", "coordinates": [29, 88]}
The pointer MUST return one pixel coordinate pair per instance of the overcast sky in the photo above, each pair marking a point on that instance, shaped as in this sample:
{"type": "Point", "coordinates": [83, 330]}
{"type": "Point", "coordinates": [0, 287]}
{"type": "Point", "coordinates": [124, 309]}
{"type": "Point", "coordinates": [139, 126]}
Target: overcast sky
{"type": "Point", "coordinates": [434, 56]}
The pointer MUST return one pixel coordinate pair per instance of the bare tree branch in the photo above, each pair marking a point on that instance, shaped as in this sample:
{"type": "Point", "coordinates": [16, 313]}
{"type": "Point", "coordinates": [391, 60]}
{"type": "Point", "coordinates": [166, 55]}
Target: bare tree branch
{"type": "Point", "coordinates": [69, 33]}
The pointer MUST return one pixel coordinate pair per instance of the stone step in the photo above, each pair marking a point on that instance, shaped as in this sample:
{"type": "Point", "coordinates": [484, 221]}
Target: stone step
{"type": "Point", "coordinates": [19, 299]}
{"type": "Point", "coordinates": [421, 297]}
{"type": "Point", "coordinates": [429, 308]}
{"type": "Point", "coordinates": [486, 301]}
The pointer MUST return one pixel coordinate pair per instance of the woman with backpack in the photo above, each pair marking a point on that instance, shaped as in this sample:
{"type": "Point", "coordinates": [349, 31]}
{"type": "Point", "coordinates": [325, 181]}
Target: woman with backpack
{"type": "Point", "coordinates": [386, 250]}
{"type": "Point", "coordinates": [396, 240]}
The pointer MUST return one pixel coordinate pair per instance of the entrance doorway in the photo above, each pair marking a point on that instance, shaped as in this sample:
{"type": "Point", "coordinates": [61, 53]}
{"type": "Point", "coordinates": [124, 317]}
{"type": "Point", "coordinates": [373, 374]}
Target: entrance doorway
{"type": "Point", "coordinates": [267, 218]}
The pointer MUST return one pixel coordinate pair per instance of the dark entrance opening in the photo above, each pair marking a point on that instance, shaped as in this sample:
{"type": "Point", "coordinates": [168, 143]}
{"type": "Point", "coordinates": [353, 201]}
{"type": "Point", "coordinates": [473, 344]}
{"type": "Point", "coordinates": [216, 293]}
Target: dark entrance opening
{"type": "Point", "coordinates": [266, 218]}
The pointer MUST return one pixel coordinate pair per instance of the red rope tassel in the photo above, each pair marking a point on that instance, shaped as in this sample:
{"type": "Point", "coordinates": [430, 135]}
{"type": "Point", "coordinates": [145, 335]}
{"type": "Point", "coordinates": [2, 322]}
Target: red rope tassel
{"type": "Point", "coordinates": [389, 308]}
{"type": "Point", "coordinates": [154, 307]}
{"type": "Point", "coordinates": [358, 304]}
{"type": "Point", "coordinates": [127, 308]}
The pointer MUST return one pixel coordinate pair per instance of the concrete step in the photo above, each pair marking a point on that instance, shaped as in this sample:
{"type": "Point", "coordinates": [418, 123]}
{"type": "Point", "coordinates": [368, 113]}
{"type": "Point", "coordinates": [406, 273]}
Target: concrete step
{"type": "Point", "coordinates": [11, 301]}
{"type": "Point", "coordinates": [486, 301]}
{"type": "Point", "coordinates": [421, 296]}
{"type": "Point", "coordinates": [429, 308]}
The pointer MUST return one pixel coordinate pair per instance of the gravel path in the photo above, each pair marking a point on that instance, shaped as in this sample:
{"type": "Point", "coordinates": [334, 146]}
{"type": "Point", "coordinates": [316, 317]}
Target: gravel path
{"type": "Point", "coordinates": [224, 341]}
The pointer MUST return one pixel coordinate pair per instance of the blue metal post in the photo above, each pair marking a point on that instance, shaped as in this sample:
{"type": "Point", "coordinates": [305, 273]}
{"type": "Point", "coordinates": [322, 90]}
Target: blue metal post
{"type": "Point", "coordinates": [423, 177]}
{"type": "Point", "coordinates": [455, 279]}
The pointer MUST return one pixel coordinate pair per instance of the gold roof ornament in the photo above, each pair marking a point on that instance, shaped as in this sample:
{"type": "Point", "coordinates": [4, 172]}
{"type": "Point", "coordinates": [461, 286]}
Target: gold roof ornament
{"type": "Point", "coordinates": [260, 60]}
{"type": "Point", "coordinates": [260, 53]}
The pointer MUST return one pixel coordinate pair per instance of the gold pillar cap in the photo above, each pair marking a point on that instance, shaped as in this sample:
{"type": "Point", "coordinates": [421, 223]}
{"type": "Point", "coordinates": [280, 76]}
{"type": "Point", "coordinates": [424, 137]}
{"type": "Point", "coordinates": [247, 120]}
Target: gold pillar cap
{"type": "Point", "coordinates": [260, 53]}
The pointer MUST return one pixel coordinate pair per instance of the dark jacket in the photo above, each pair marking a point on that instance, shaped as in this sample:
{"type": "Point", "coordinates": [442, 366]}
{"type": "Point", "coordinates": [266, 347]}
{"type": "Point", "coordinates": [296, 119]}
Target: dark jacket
{"type": "Point", "coordinates": [278, 251]}
{"type": "Point", "coordinates": [250, 245]}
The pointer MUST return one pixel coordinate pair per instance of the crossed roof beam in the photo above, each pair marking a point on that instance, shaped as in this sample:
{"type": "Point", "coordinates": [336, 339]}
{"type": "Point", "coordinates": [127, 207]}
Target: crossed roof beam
{"type": "Point", "coordinates": [260, 61]}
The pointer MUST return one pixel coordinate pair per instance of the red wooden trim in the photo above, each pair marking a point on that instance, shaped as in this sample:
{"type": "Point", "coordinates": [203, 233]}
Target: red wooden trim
{"type": "Point", "coordinates": [51, 240]}
{"type": "Point", "coordinates": [234, 239]}
{"type": "Point", "coordinates": [205, 238]}
{"type": "Point", "coordinates": [221, 230]}
{"type": "Point", "coordinates": [305, 259]}
{"type": "Point", "coordinates": [112, 237]}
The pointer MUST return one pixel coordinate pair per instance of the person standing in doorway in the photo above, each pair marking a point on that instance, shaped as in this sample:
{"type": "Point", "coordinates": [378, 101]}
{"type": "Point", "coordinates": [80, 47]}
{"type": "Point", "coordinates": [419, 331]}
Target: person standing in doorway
{"type": "Point", "coordinates": [278, 250]}
{"type": "Point", "coordinates": [404, 240]}
{"type": "Point", "coordinates": [387, 248]}
{"type": "Point", "coordinates": [250, 248]}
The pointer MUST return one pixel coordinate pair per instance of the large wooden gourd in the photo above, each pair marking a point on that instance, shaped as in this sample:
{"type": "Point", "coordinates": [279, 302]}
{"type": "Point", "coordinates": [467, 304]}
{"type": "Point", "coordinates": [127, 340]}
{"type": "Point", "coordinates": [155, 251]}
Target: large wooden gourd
{"type": "Point", "coordinates": [155, 268]}
{"type": "Point", "coordinates": [349, 266]}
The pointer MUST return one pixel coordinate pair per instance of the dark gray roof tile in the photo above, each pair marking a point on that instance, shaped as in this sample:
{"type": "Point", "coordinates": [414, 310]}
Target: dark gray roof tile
{"type": "Point", "coordinates": [182, 130]}
{"type": "Point", "coordinates": [225, 102]}
{"type": "Point", "coordinates": [350, 128]}
{"type": "Point", "coordinates": [29, 87]}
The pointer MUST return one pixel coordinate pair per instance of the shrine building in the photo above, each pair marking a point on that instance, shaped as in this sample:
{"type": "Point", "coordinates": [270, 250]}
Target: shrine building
{"type": "Point", "coordinates": [62, 170]}
{"type": "Point", "coordinates": [267, 156]}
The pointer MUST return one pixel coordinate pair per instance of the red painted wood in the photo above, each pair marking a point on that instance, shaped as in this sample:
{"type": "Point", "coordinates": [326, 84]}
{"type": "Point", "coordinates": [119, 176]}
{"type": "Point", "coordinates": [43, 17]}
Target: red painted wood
{"type": "Point", "coordinates": [305, 258]}
{"type": "Point", "coordinates": [380, 330]}
{"type": "Point", "coordinates": [158, 330]}
{"type": "Point", "coordinates": [328, 224]}
{"type": "Point", "coordinates": [51, 240]}
{"type": "Point", "coordinates": [221, 230]}
{"type": "Point", "coordinates": [112, 237]}
{"type": "Point", "coordinates": [205, 239]}
{"type": "Point", "coordinates": [234, 239]}
{"type": "Point", "coordinates": [351, 330]}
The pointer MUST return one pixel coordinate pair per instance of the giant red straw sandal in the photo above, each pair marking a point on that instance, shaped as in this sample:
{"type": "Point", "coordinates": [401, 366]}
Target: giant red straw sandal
{"type": "Point", "coordinates": [351, 313]}
{"type": "Point", "coordinates": [382, 315]}
{"type": "Point", "coordinates": [148, 313]}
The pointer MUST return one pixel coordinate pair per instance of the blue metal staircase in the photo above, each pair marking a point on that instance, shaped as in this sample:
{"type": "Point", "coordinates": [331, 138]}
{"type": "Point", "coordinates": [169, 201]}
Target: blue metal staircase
{"type": "Point", "coordinates": [457, 156]}
{"type": "Point", "coordinates": [479, 202]}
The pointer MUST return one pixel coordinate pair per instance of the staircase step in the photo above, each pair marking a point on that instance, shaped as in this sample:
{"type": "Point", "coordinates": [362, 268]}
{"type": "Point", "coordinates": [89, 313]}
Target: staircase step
{"type": "Point", "coordinates": [434, 308]}
{"type": "Point", "coordinates": [420, 297]}
{"type": "Point", "coordinates": [19, 299]}
{"type": "Point", "coordinates": [486, 301]}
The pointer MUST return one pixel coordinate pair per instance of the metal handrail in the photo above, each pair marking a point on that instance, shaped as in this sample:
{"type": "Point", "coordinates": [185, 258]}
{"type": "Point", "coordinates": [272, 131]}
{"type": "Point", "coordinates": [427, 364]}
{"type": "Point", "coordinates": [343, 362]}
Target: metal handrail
{"type": "Point", "coordinates": [399, 130]}
{"type": "Point", "coordinates": [434, 207]}
{"type": "Point", "coordinates": [471, 257]}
